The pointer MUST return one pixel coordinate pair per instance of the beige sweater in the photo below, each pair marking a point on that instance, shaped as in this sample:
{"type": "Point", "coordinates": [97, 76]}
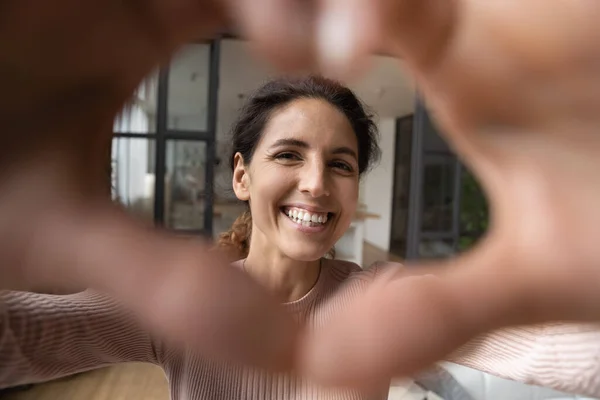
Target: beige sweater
{"type": "Point", "coordinates": [43, 337]}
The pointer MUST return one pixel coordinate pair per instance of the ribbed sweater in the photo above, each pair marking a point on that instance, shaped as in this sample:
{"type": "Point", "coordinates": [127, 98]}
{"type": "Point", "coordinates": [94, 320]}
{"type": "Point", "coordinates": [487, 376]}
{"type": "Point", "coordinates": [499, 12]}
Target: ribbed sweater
{"type": "Point", "coordinates": [44, 337]}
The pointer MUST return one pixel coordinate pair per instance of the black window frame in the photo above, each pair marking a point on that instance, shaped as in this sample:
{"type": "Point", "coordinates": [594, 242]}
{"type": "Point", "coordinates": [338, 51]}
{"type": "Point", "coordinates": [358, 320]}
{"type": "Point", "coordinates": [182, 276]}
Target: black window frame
{"type": "Point", "coordinates": [163, 134]}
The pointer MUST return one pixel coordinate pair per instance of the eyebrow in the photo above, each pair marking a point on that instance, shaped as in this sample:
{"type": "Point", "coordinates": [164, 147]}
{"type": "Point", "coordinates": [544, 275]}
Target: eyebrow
{"type": "Point", "coordinates": [304, 145]}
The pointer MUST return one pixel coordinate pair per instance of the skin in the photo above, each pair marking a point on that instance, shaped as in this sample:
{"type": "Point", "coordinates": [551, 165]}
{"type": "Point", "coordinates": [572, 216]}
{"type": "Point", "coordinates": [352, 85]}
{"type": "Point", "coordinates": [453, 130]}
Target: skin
{"type": "Point", "coordinates": [513, 84]}
{"type": "Point", "coordinates": [307, 157]}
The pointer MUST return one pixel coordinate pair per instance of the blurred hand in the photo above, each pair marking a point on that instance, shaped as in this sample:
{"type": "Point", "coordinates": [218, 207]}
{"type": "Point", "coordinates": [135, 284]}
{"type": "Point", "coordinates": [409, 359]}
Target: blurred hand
{"type": "Point", "coordinates": [512, 83]}
{"type": "Point", "coordinates": [66, 69]}
{"type": "Point", "coordinates": [515, 87]}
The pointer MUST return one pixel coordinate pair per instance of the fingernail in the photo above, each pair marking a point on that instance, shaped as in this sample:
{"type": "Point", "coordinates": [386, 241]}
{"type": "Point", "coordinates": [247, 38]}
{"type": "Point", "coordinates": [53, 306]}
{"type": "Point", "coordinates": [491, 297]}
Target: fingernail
{"type": "Point", "coordinates": [336, 42]}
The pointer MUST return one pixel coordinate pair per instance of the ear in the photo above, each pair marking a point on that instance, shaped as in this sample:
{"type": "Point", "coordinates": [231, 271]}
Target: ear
{"type": "Point", "coordinates": [241, 179]}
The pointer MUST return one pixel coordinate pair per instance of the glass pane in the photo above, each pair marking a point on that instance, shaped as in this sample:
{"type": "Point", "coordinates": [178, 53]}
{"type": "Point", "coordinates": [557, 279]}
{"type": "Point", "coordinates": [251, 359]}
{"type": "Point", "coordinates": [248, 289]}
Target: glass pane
{"type": "Point", "coordinates": [139, 116]}
{"type": "Point", "coordinates": [441, 248]}
{"type": "Point", "coordinates": [188, 89]}
{"type": "Point", "coordinates": [474, 217]}
{"type": "Point", "coordinates": [133, 175]}
{"type": "Point", "coordinates": [185, 184]}
{"type": "Point", "coordinates": [438, 194]}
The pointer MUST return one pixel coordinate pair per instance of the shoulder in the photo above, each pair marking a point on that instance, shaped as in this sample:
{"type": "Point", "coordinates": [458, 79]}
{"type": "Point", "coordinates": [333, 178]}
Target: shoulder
{"type": "Point", "coordinates": [349, 271]}
{"type": "Point", "coordinates": [342, 270]}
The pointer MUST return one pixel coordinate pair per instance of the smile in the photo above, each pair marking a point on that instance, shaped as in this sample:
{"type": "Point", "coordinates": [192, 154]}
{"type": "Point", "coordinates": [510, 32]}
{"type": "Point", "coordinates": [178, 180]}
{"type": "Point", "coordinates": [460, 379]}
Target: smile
{"type": "Point", "coordinates": [306, 218]}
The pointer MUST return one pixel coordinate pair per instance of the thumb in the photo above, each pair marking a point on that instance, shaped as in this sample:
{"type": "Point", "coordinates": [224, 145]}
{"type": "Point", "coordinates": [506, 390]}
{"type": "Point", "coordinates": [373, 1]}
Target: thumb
{"type": "Point", "coordinates": [418, 31]}
{"type": "Point", "coordinates": [178, 287]}
{"type": "Point", "coordinates": [337, 36]}
{"type": "Point", "coordinates": [281, 31]}
{"type": "Point", "coordinates": [330, 35]}
{"type": "Point", "coordinates": [403, 321]}
{"type": "Point", "coordinates": [347, 32]}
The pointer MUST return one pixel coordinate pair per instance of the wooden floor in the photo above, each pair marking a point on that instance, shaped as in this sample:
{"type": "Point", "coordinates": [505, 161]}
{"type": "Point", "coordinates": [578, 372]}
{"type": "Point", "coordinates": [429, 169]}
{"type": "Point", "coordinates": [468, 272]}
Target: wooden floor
{"type": "Point", "coordinates": [141, 381]}
{"type": "Point", "coordinates": [121, 382]}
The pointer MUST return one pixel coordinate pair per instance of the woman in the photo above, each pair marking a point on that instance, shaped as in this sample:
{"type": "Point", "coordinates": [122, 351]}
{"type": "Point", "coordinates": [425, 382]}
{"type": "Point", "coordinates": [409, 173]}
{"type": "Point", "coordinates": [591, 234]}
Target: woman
{"type": "Point", "coordinates": [299, 149]}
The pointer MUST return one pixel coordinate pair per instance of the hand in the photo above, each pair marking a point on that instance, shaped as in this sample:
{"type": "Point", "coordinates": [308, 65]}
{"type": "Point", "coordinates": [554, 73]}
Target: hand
{"type": "Point", "coordinates": [515, 87]}
{"type": "Point", "coordinates": [66, 69]}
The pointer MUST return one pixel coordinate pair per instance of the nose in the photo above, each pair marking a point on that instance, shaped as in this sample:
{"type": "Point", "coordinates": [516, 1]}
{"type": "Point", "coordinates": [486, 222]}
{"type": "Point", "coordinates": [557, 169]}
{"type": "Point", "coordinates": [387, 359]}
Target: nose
{"type": "Point", "coordinates": [314, 180]}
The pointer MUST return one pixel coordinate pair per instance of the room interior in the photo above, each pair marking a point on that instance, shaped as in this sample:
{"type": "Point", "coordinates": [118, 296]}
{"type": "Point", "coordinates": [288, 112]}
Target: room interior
{"type": "Point", "coordinates": [190, 156]}
{"type": "Point", "coordinates": [184, 200]}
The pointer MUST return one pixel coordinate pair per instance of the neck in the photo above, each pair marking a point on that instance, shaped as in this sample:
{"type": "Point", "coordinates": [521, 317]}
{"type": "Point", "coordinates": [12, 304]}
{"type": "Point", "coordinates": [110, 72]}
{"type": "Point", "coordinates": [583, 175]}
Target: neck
{"type": "Point", "coordinates": [287, 279]}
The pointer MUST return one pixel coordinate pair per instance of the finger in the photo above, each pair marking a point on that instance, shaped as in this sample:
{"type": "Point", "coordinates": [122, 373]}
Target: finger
{"type": "Point", "coordinates": [281, 31]}
{"type": "Point", "coordinates": [419, 30]}
{"type": "Point", "coordinates": [51, 52]}
{"type": "Point", "coordinates": [181, 290]}
{"type": "Point", "coordinates": [328, 35]}
{"type": "Point", "coordinates": [403, 323]}
{"type": "Point", "coordinates": [416, 30]}
{"type": "Point", "coordinates": [347, 33]}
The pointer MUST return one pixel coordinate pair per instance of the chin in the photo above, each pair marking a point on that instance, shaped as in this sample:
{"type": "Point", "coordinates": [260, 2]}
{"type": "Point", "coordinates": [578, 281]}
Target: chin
{"type": "Point", "coordinates": [306, 254]}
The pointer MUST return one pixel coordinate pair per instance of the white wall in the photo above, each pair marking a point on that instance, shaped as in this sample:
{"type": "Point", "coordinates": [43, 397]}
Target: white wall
{"type": "Point", "coordinates": [378, 186]}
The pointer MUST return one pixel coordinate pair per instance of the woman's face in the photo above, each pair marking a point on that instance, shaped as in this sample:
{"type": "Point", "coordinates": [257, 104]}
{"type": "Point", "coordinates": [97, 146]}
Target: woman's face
{"type": "Point", "coordinates": [302, 183]}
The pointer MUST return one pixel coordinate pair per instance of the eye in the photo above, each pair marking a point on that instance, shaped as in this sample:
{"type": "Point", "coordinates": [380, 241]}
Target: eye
{"type": "Point", "coordinates": [288, 156]}
{"type": "Point", "coordinates": [344, 166]}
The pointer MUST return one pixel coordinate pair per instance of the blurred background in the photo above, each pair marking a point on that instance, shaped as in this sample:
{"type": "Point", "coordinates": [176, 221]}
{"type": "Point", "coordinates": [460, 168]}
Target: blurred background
{"type": "Point", "coordinates": [420, 202]}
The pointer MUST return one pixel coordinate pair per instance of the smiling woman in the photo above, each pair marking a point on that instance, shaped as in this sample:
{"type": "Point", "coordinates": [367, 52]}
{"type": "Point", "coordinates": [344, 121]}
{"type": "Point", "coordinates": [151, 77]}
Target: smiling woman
{"type": "Point", "coordinates": [301, 147]}
{"type": "Point", "coordinates": [311, 139]}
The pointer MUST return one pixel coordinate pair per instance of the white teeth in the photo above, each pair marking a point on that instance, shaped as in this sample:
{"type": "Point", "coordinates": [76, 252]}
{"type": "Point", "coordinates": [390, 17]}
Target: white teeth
{"type": "Point", "coordinates": [305, 218]}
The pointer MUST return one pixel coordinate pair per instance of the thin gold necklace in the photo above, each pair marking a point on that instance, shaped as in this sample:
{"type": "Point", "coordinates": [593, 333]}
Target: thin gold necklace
{"type": "Point", "coordinates": [318, 275]}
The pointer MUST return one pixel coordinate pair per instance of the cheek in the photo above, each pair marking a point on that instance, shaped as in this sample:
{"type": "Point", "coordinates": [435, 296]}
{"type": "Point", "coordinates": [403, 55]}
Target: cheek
{"type": "Point", "coordinates": [269, 187]}
{"type": "Point", "coordinates": [348, 197]}
{"type": "Point", "coordinates": [350, 188]}
{"type": "Point", "coordinates": [349, 206]}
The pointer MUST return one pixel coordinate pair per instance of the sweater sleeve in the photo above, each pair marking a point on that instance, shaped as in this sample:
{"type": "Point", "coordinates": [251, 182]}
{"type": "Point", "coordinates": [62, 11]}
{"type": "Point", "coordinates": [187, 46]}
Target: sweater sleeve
{"type": "Point", "coordinates": [44, 337]}
{"type": "Point", "coordinates": [564, 357]}
{"type": "Point", "coordinates": [561, 356]}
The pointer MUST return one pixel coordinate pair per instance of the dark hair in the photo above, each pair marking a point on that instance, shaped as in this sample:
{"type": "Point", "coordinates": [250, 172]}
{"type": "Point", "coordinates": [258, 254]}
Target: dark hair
{"type": "Point", "coordinates": [248, 129]}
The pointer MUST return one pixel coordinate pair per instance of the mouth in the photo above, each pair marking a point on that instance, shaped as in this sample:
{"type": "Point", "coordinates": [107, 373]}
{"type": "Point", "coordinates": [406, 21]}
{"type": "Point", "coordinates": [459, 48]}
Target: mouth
{"type": "Point", "coordinates": [306, 218]}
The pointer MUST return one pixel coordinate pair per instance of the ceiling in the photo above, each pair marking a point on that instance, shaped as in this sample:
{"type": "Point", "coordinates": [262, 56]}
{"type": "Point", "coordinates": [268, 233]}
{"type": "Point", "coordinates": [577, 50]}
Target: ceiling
{"type": "Point", "coordinates": [385, 89]}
